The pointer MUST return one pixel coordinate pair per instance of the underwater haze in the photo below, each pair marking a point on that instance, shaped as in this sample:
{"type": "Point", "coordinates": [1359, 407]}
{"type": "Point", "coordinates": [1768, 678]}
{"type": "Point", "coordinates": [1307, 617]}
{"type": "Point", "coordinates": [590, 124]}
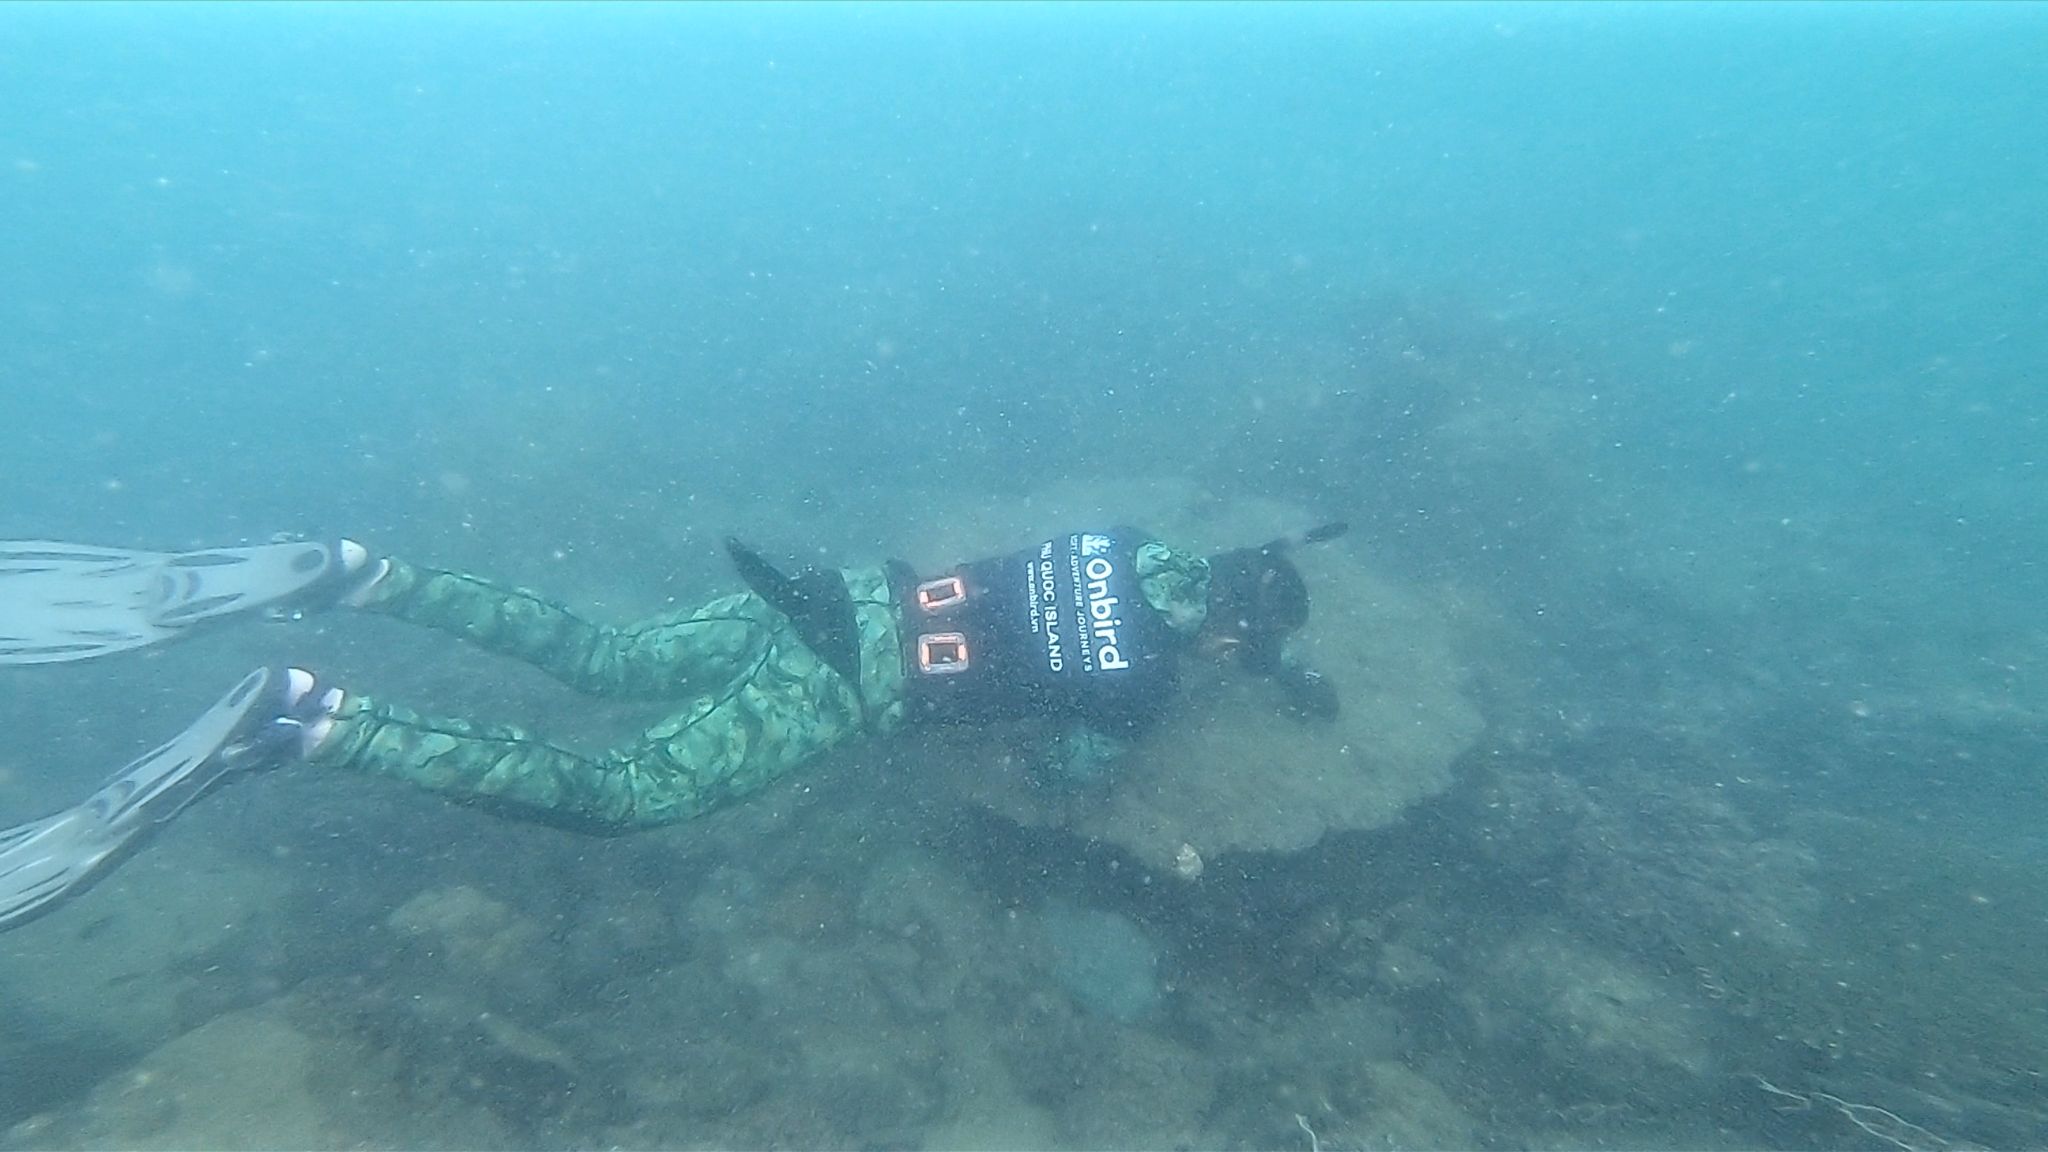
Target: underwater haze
{"type": "Point", "coordinates": [1678, 368]}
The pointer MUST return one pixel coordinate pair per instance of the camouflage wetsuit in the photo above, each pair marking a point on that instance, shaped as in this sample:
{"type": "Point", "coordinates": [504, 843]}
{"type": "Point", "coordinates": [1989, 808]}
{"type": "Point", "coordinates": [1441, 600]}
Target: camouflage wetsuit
{"type": "Point", "coordinates": [758, 703]}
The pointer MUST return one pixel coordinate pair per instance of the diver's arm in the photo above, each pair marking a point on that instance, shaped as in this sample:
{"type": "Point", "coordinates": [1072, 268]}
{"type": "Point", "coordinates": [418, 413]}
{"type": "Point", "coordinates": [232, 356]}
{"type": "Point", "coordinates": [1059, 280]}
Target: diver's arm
{"type": "Point", "coordinates": [1307, 693]}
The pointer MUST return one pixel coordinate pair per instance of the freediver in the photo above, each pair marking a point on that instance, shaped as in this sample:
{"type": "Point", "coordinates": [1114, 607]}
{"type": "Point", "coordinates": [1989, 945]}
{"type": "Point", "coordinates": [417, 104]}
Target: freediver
{"type": "Point", "coordinates": [1086, 630]}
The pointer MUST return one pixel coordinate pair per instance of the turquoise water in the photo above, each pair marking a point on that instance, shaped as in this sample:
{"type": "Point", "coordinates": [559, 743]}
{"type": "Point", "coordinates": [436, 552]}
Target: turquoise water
{"type": "Point", "coordinates": [1678, 367]}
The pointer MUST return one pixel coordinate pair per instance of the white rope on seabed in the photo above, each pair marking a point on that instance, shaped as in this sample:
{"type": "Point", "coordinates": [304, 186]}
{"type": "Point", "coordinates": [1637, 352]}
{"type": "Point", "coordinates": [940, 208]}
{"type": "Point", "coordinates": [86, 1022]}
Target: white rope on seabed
{"type": "Point", "coordinates": [1882, 1123]}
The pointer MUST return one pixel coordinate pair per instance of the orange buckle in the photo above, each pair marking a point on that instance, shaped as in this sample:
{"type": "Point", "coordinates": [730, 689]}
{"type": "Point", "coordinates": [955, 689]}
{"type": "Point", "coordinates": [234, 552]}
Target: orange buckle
{"type": "Point", "coordinates": [946, 591]}
{"type": "Point", "coordinates": [941, 653]}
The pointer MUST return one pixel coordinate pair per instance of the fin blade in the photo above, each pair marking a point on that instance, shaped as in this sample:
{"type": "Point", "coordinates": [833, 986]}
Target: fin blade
{"type": "Point", "coordinates": [46, 860]}
{"type": "Point", "coordinates": [62, 602]}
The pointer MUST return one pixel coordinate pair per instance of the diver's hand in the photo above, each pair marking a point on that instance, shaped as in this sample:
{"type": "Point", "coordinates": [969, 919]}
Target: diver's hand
{"type": "Point", "coordinates": [1310, 695]}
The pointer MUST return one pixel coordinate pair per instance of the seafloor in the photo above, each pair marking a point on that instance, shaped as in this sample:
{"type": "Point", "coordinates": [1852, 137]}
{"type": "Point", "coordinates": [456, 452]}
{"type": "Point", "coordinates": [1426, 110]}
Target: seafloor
{"type": "Point", "coordinates": [1646, 824]}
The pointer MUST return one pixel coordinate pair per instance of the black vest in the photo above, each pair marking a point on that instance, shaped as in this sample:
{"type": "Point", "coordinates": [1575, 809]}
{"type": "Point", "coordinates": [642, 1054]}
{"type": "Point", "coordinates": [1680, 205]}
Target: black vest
{"type": "Point", "coordinates": [1059, 630]}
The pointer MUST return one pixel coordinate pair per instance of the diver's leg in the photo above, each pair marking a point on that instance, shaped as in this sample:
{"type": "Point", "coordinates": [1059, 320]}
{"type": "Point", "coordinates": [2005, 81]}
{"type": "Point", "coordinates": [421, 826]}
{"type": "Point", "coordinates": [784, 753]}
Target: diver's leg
{"type": "Point", "coordinates": [778, 714]}
{"type": "Point", "coordinates": [495, 763]}
{"type": "Point", "coordinates": [671, 655]}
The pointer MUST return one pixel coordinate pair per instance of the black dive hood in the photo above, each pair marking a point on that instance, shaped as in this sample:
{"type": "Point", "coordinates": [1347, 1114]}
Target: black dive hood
{"type": "Point", "coordinates": [1257, 595]}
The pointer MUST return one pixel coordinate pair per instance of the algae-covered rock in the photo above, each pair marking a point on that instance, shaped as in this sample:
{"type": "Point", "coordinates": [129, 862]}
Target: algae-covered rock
{"type": "Point", "coordinates": [238, 1082]}
{"type": "Point", "coordinates": [1590, 1010]}
{"type": "Point", "coordinates": [1149, 1091]}
{"type": "Point", "coordinates": [258, 1079]}
{"type": "Point", "coordinates": [1102, 959]}
{"type": "Point", "coordinates": [463, 932]}
{"type": "Point", "coordinates": [1404, 1109]}
{"type": "Point", "coordinates": [929, 935]}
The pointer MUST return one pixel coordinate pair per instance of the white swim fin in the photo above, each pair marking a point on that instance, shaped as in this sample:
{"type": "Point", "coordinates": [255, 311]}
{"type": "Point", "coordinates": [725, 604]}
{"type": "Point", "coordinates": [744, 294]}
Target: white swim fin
{"type": "Point", "coordinates": [261, 723]}
{"type": "Point", "coordinates": [62, 602]}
